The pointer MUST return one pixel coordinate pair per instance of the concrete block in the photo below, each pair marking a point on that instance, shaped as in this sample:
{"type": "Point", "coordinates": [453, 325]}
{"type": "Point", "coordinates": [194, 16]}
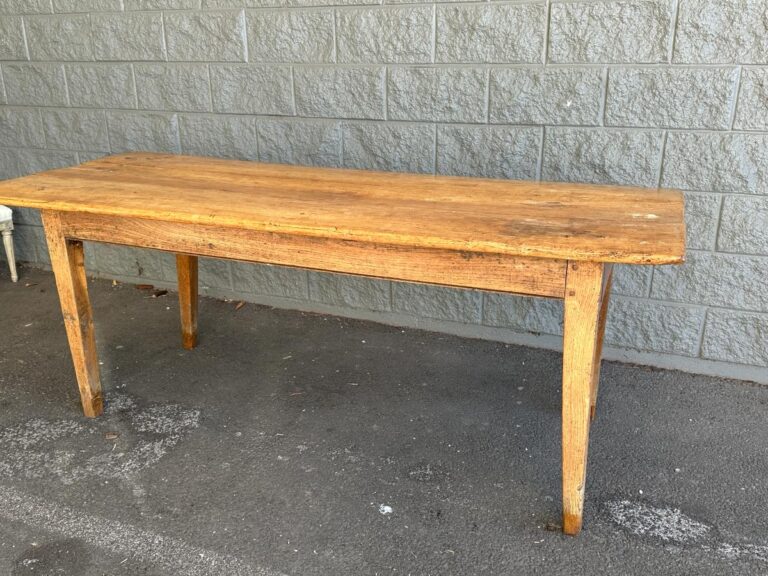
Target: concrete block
{"type": "Point", "coordinates": [744, 225]}
{"type": "Point", "coordinates": [631, 280]}
{"type": "Point", "coordinates": [350, 291]}
{"type": "Point", "coordinates": [26, 240]}
{"type": "Point", "coordinates": [76, 129]}
{"type": "Point", "coordinates": [737, 337]}
{"type": "Point", "coordinates": [654, 326]}
{"type": "Point", "coordinates": [716, 32]}
{"type": "Point", "coordinates": [437, 94]}
{"type": "Point", "coordinates": [35, 84]}
{"type": "Point", "coordinates": [671, 97]}
{"type": "Point", "coordinates": [355, 92]}
{"type": "Point", "coordinates": [90, 155]}
{"type": "Point", "coordinates": [206, 36]}
{"type": "Point", "coordinates": [85, 6]}
{"type": "Point", "coordinates": [12, 39]}
{"type": "Point", "coordinates": [512, 33]}
{"type": "Point", "coordinates": [213, 274]}
{"type": "Point", "coordinates": [393, 147]}
{"type": "Point", "coordinates": [702, 212]}
{"type": "Point", "coordinates": [720, 162]}
{"type": "Point", "coordinates": [29, 216]}
{"type": "Point", "coordinates": [270, 280]}
{"type": "Point", "coordinates": [385, 35]}
{"type": "Point", "coordinates": [752, 109]}
{"type": "Point", "coordinates": [59, 37]}
{"type": "Point", "coordinates": [437, 302]}
{"type": "Point", "coordinates": [143, 131]}
{"type": "Point", "coordinates": [244, 89]}
{"type": "Point", "coordinates": [101, 85]}
{"type": "Point", "coordinates": [15, 162]}
{"type": "Point", "coordinates": [25, 6]}
{"type": "Point", "coordinates": [177, 87]}
{"type": "Point", "coordinates": [225, 136]}
{"type": "Point", "coordinates": [602, 156]}
{"type": "Point", "coordinates": [494, 152]}
{"type": "Point", "coordinates": [546, 96]}
{"type": "Point", "coordinates": [113, 260]}
{"type": "Point", "coordinates": [522, 314]}
{"type": "Point", "coordinates": [610, 32]}
{"type": "Point", "coordinates": [291, 36]}
{"type": "Point", "coordinates": [21, 127]}
{"type": "Point", "coordinates": [128, 36]}
{"type": "Point", "coordinates": [309, 143]}
{"type": "Point", "coordinates": [714, 279]}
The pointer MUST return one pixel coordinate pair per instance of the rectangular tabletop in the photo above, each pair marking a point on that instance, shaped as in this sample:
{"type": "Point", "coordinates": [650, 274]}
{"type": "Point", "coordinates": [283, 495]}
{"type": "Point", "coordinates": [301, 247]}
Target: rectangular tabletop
{"type": "Point", "coordinates": [541, 220]}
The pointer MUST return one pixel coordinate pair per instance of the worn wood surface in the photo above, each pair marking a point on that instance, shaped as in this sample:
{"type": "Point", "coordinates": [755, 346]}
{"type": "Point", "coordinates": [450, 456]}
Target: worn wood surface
{"type": "Point", "coordinates": [68, 263]}
{"type": "Point", "coordinates": [499, 272]}
{"type": "Point", "coordinates": [186, 272]}
{"type": "Point", "coordinates": [583, 295]}
{"type": "Point", "coordinates": [544, 220]}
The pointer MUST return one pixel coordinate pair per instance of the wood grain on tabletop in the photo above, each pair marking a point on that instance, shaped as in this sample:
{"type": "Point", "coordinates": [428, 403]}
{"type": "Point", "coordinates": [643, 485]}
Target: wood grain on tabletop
{"type": "Point", "coordinates": [548, 220]}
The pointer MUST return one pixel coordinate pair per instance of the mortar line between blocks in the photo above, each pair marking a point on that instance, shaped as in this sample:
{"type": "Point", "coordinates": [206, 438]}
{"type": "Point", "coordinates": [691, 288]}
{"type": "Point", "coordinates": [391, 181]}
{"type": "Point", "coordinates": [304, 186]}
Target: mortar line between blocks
{"type": "Point", "coordinates": [135, 86]}
{"type": "Point", "coordinates": [540, 159]}
{"type": "Point", "coordinates": [662, 154]}
{"type": "Point", "coordinates": [547, 25]}
{"type": "Point", "coordinates": [604, 97]}
{"type": "Point", "coordinates": [735, 102]}
{"type": "Point", "coordinates": [434, 33]}
{"type": "Point", "coordinates": [673, 40]}
{"type": "Point", "coordinates": [700, 335]}
{"type": "Point", "coordinates": [24, 37]}
{"type": "Point", "coordinates": [244, 35]}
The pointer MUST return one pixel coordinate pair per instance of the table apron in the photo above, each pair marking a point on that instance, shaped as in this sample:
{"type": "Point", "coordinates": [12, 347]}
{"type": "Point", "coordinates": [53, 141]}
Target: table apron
{"type": "Point", "coordinates": [465, 269]}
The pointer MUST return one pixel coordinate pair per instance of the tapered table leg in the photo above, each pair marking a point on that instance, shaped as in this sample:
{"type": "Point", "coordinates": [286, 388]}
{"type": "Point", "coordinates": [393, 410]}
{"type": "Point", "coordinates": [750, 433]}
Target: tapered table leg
{"type": "Point", "coordinates": [68, 263]}
{"type": "Point", "coordinates": [583, 297]}
{"type": "Point", "coordinates": [607, 281]}
{"type": "Point", "coordinates": [186, 269]}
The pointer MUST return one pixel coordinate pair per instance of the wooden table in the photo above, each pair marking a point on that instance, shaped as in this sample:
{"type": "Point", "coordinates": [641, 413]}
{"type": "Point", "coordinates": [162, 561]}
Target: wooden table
{"type": "Point", "coordinates": [540, 239]}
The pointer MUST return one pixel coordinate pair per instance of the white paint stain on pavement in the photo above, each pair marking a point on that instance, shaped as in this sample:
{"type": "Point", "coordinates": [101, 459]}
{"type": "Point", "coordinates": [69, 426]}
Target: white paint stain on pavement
{"type": "Point", "coordinates": [80, 451]}
{"type": "Point", "coordinates": [671, 526]}
{"type": "Point", "coordinates": [171, 555]}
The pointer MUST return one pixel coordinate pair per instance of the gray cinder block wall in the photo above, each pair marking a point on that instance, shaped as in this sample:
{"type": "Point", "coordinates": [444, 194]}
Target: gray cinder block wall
{"type": "Point", "coordinates": [645, 92]}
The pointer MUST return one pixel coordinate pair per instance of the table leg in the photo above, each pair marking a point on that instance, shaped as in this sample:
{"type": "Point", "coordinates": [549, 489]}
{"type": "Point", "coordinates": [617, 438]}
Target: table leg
{"type": "Point", "coordinates": [186, 270]}
{"type": "Point", "coordinates": [583, 295]}
{"type": "Point", "coordinates": [607, 281]}
{"type": "Point", "coordinates": [68, 263]}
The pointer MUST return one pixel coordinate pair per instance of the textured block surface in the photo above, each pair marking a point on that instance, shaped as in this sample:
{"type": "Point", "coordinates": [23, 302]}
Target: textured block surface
{"type": "Point", "coordinates": [295, 36]}
{"type": "Point", "coordinates": [679, 98]}
{"type": "Point", "coordinates": [402, 34]}
{"type": "Point", "coordinates": [225, 136]}
{"type": "Point", "coordinates": [393, 147]}
{"type": "Point", "coordinates": [311, 143]}
{"type": "Point", "coordinates": [128, 36]}
{"type": "Point", "coordinates": [101, 85]}
{"type": "Point", "coordinates": [355, 92]}
{"type": "Point", "coordinates": [505, 33]}
{"type": "Point", "coordinates": [545, 96]}
{"type": "Point", "coordinates": [602, 157]}
{"type": "Point", "coordinates": [437, 94]}
{"type": "Point", "coordinates": [498, 152]}
{"type": "Point", "coordinates": [184, 87]}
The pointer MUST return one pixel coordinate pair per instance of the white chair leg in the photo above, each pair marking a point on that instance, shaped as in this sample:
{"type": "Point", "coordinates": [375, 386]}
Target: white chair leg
{"type": "Point", "coordinates": [8, 242]}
